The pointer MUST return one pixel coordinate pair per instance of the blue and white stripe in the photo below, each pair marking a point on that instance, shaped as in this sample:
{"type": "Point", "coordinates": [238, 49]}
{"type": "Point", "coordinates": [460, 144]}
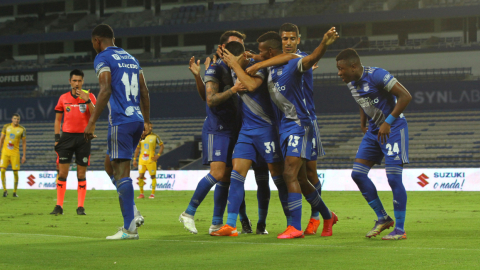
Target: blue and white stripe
{"type": "Point", "coordinates": [394, 170]}
{"type": "Point", "coordinates": [303, 153]}
{"type": "Point", "coordinates": [320, 150]}
{"type": "Point", "coordinates": [210, 179]}
{"type": "Point", "coordinates": [403, 149]}
{"type": "Point", "coordinates": [294, 205]}
{"type": "Point", "coordinates": [237, 177]}
{"type": "Point", "coordinates": [114, 142]}
{"type": "Point", "coordinates": [361, 168]}
{"type": "Point", "coordinates": [210, 147]}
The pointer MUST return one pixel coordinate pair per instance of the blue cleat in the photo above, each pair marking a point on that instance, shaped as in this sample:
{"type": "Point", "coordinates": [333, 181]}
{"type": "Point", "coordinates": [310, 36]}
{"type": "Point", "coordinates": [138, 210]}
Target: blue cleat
{"type": "Point", "coordinates": [396, 234]}
{"type": "Point", "coordinates": [380, 226]}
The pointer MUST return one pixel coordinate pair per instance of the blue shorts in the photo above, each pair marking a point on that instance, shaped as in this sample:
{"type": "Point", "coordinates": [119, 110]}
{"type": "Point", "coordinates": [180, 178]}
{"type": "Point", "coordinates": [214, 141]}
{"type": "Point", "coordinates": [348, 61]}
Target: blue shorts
{"type": "Point", "coordinates": [217, 148]}
{"type": "Point", "coordinates": [123, 139]}
{"type": "Point", "coordinates": [317, 147]}
{"type": "Point", "coordinates": [298, 143]}
{"type": "Point", "coordinates": [395, 150]}
{"type": "Point", "coordinates": [260, 142]}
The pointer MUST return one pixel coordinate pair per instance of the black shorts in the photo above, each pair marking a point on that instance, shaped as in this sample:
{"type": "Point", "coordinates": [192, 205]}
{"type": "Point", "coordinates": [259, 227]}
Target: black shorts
{"type": "Point", "coordinates": [73, 143]}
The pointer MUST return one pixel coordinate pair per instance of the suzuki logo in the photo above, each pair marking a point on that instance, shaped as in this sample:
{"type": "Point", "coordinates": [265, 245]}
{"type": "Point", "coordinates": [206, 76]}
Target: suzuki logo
{"type": "Point", "coordinates": [423, 180]}
{"type": "Point", "coordinates": [30, 180]}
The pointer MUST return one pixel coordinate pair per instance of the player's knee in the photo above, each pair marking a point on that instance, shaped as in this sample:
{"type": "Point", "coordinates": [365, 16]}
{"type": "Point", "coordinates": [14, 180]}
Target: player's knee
{"type": "Point", "coordinates": [357, 177]}
{"type": "Point", "coordinates": [217, 174]}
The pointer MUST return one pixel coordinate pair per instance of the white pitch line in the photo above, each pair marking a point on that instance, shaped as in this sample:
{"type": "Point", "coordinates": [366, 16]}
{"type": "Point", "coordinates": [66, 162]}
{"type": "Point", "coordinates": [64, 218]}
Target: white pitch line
{"type": "Point", "coordinates": [252, 243]}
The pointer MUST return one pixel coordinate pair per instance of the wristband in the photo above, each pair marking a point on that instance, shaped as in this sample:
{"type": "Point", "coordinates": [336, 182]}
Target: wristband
{"type": "Point", "coordinates": [57, 137]}
{"type": "Point", "coordinates": [88, 101]}
{"type": "Point", "coordinates": [390, 119]}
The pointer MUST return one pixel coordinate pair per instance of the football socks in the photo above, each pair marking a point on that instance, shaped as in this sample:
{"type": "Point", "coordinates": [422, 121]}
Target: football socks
{"type": "Point", "coordinates": [263, 193]}
{"type": "Point", "coordinates": [283, 195]}
{"type": "Point", "coordinates": [235, 197]}
{"type": "Point", "coordinates": [201, 191]}
{"type": "Point", "coordinates": [81, 191]}
{"type": "Point", "coordinates": [317, 203]}
{"type": "Point", "coordinates": [367, 188]}
{"type": "Point", "coordinates": [15, 181]}
{"type": "Point", "coordinates": [125, 195]}
{"type": "Point", "coordinates": [141, 183]}
{"type": "Point", "coordinates": [220, 197]}
{"type": "Point", "coordinates": [154, 183]}
{"type": "Point", "coordinates": [295, 207]}
{"type": "Point", "coordinates": [318, 187]}
{"type": "Point", "coordinates": [394, 176]}
{"type": "Point", "coordinates": [4, 179]}
{"type": "Point", "coordinates": [61, 188]}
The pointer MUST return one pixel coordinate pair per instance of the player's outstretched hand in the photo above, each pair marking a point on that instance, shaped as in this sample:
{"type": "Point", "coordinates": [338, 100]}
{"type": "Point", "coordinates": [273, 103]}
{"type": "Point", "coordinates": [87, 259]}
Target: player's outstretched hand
{"type": "Point", "coordinates": [24, 159]}
{"type": "Point", "coordinates": [155, 157]}
{"type": "Point", "coordinates": [384, 133]}
{"type": "Point", "coordinates": [253, 69]}
{"type": "Point", "coordinates": [330, 36]}
{"type": "Point", "coordinates": [194, 67]}
{"type": "Point", "coordinates": [88, 134]}
{"type": "Point", "coordinates": [315, 66]}
{"type": "Point", "coordinates": [135, 164]}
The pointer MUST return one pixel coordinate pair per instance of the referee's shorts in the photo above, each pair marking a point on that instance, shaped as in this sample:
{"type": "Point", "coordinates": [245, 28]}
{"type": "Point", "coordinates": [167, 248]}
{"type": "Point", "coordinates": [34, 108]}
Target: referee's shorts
{"type": "Point", "coordinates": [73, 143]}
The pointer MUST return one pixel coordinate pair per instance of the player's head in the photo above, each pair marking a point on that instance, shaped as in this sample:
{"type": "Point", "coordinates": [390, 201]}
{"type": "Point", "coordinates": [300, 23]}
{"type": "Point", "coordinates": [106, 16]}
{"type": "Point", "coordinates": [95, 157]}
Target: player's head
{"type": "Point", "coordinates": [102, 34]}
{"type": "Point", "coordinates": [349, 65]}
{"type": "Point", "coordinates": [16, 119]}
{"type": "Point", "coordinates": [290, 37]}
{"type": "Point", "coordinates": [269, 45]}
{"type": "Point", "coordinates": [237, 49]}
{"type": "Point", "coordinates": [232, 35]}
{"type": "Point", "coordinates": [76, 79]}
{"type": "Point", "coordinates": [150, 127]}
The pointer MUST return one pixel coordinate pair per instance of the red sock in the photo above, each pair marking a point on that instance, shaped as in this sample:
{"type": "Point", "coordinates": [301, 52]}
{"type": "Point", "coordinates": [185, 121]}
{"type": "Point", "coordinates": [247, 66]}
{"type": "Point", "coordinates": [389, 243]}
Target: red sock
{"type": "Point", "coordinates": [61, 188]}
{"type": "Point", "coordinates": [82, 191]}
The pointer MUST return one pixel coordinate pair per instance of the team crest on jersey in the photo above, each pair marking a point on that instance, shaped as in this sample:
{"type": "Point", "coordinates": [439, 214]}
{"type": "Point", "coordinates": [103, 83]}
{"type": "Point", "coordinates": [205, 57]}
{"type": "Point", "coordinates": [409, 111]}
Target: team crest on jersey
{"type": "Point", "coordinates": [146, 146]}
{"type": "Point", "coordinates": [365, 87]}
{"type": "Point", "coordinates": [279, 71]}
{"type": "Point", "coordinates": [218, 153]}
{"type": "Point", "coordinates": [116, 57]}
{"type": "Point", "coordinates": [83, 107]}
{"type": "Point", "coordinates": [68, 109]}
{"type": "Point", "coordinates": [12, 136]}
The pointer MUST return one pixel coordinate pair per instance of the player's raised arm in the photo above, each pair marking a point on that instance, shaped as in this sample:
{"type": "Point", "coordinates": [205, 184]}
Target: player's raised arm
{"type": "Point", "coordinates": [144, 99]}
{"type": "Point", "coordinates": [274, 61]}
{"type": "Point", "coordinates": [194, 67]}
{"type": "Point", "coordinates": [251, 83]}
{"type": "Point", "coordinates": [309, 61]}
{"type": "Point", "coordinates": [105, 81]}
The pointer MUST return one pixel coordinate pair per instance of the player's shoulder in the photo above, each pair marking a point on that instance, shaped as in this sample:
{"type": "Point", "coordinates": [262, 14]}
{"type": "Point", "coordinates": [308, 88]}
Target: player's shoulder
{"type": "Point", "coordinates": [22, 127]}
{"type": "Point", "coordinates": [377, 74]}
{"type": "Point", "coordinates": [7, 125]}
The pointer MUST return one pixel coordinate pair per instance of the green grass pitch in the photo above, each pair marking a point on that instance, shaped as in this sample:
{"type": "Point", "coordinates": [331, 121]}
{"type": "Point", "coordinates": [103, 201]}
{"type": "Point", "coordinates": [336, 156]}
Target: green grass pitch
{"type": "Point", "coordinates": [442, 230]}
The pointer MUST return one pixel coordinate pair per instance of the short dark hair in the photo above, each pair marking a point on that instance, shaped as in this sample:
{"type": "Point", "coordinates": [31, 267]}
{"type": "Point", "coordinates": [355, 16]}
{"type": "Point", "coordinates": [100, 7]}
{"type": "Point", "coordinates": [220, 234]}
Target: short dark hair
{"type": "Point", "coordinates": [289, 27]}
{"type": "Point", "coordinates": [235, 47]}
{"type": "Point", "coordinates": [77, 72]}
{"type": "Point", "coordinates": [103, 31]}
{"type": "Point", "coordinates": [16, 114]}
{"type": "Point", "coordinates": [349, 55]}
{"type": "Point", "coordinates": [272, 39]}
{"type": "Point", "coordinates": [224, 37]}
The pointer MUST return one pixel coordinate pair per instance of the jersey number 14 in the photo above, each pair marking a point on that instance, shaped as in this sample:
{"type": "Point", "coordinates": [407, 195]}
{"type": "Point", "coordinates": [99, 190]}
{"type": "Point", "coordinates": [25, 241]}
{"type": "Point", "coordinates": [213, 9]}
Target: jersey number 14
{"type": "Point", "coordinates": [131, 89]}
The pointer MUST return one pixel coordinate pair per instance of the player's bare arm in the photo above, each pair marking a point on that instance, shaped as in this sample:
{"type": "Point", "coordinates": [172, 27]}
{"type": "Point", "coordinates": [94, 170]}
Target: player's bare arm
{"type": "Point", "coordinates": [403, 99]}
{"type": "Point", "coordinates": [105, 82]}
{"type": "Point", "coordinates": [144, 103]}
{"type": "Point", "coordinates": [157, 156]}
{"type": "Point", "coordinates": [274, 61]}
{"type": "Point", "coordinates": [24, 146]}
{"type": "Point", "coordinates": [363, 121]}
{"type": "Point", "coordinates": [251, 83]}
{"type": "Point", "coordinates": [86, 97]}
{"type": "Point", "coordinates": [214, 98]}
{"type": "Point", "coordinates": [2, 139]}
{"type": "Point", "coordinates": [135, 155]}
{"type": "Point", "coordinates": [194, 67]}
{"type": "Point", "coordinates": [310, 60]}
{"type": "Point", "coordinates": [57, 125]}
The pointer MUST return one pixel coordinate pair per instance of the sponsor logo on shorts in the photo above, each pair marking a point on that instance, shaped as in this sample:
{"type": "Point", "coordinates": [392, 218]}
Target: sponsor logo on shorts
{"type": "Point", "coordinates": [85, 159]}
{"type": "Point", "coordinates": [218, 153]}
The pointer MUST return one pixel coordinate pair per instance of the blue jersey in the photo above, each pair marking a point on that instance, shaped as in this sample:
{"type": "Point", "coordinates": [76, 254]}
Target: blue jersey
{"type": "Point", "coordinates": [221, 119]}
{"type": "Point", "coordinates": [286, 89]}
{"type": "Point", "coordinates": [308, 88]}
{"type": "Point", "coordinates": [255, 107]}
{"type": "Point", "coordinates": [372, 93]}
{"type": "Point", "coordinates": [124, 103]}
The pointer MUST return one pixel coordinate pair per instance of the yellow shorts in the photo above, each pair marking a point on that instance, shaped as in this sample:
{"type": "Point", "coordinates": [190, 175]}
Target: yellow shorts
{"type": "Point", "coordinates": [151, 167]}
{"type": "Point", "coordinates": [10, 159]}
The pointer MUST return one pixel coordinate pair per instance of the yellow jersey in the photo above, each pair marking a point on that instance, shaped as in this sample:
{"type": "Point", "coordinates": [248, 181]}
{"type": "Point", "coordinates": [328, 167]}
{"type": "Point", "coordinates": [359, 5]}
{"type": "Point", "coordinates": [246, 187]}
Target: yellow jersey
{"type": "Point", "coordinates": [147, 148]}
{"type": "Point", "coordinates": [13, 135]}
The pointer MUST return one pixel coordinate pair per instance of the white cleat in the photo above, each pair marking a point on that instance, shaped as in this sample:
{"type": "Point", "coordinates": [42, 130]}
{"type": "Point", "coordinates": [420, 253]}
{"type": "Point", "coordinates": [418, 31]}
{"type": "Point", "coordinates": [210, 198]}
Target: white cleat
{"type": "Point", "coordinates": [124, 234]}
{"type": "Point", "coordinates": [214, 228]}
{"type": "Point", "coordinates": [138, 218]}
{"type": "Point", "coordinates": [188, 222]}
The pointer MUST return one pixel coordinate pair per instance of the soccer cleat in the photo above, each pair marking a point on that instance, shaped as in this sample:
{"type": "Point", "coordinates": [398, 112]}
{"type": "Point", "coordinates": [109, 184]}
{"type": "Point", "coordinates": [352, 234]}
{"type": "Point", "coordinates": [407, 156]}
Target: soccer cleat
{"type": "Point", "coordinates": [225, 230]}
{"type": "Point", "coordinates": [141, 196]}
{"type": "Point", "coordinates": [5, 193]}
{"type": "Point", "coordinates": [246, 226]}
{"type": "Point", "coordinates": [328, 224]}
{"type": "Point", "coordinates": [58, 210]}
{"type": "Point", "coordinates": [261, 228]}
{"type": "Point", "coordinates": [138, 218]}
{"type": "Point", "coordinates": [15, 194]}
{"type": "Point", "coordinates": [214, 228]}
{"type": "Point", "coordinates": [396, 234]}
{"type": "Point", "coordinates": [81, 211]}
{"type": "Point", "coordinates": [291, 233]}
{"type": "Point", "coordinates": [152, 196]}
{"type": "Point", "coordinates": [312, 226]}
{"type": "Point", "coordinates": [380, 226]}
{"type": "Point", "coordinates": [123, 234]}
{"type": "Point", "coordinates": [188, 222]}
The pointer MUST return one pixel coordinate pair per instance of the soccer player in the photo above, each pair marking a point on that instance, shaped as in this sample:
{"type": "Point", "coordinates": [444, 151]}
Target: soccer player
{"type": "Point", "coordinates": [123, 87]}
{"type": "Point", "coordinates": [295, 125]}
{"type": "Point", "coordinates": [75, 107]}
{"type": "Point", "coordinates": [148, 160]}
{"type": "Point", "coordinates": [219, 135]}
{"type": "Point", "coordinates": [382, 100]}
{"type": "Point", "coordinates": [258, 135]}
{"type": "Point", "coordinates": [10, 146]}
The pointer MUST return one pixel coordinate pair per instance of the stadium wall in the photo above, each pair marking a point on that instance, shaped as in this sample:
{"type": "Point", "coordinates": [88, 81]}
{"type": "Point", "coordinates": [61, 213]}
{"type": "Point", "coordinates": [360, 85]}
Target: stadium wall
{"type": "Point", "coordinates": [332, 180]}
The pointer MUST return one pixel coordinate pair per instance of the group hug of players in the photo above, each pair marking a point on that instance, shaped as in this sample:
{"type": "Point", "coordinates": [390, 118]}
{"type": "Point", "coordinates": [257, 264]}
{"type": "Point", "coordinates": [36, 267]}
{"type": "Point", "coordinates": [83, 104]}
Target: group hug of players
{"type": "Point", "coordinates": [276, 131]}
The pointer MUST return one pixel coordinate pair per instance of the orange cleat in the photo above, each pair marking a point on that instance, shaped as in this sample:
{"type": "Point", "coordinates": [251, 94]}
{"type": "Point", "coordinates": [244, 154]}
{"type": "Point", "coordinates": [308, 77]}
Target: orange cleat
{"type": "Point", "coordinates": [141, 196]}
{"type": "Point", "coordinates": [312, 226]}
{"type": "Point", "coordinates": [328, 224]}
{"type": "Point", "coordinates": [225, 230]}
{"type": "Point", "coordinates": [291, 233]}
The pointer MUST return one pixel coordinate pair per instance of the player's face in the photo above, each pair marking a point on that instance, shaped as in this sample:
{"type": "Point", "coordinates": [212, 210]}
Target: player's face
{"type": "Point", "coordinates": [264, 51]}
{"type": "Point", "coordinates": [150, 128]}
{"type": "Point", "coordinates": [96, 44]}
{"type": "Point", "coordinates": [15, 120]}
{"type": "Point", "coordinates": [346, 71]}
{"type": "Point", "coordinates": [234, 38]}
{"type": "Point", "coordinates": [290, 42]}
{"type": "Point", "coordinates": [76, 82]}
